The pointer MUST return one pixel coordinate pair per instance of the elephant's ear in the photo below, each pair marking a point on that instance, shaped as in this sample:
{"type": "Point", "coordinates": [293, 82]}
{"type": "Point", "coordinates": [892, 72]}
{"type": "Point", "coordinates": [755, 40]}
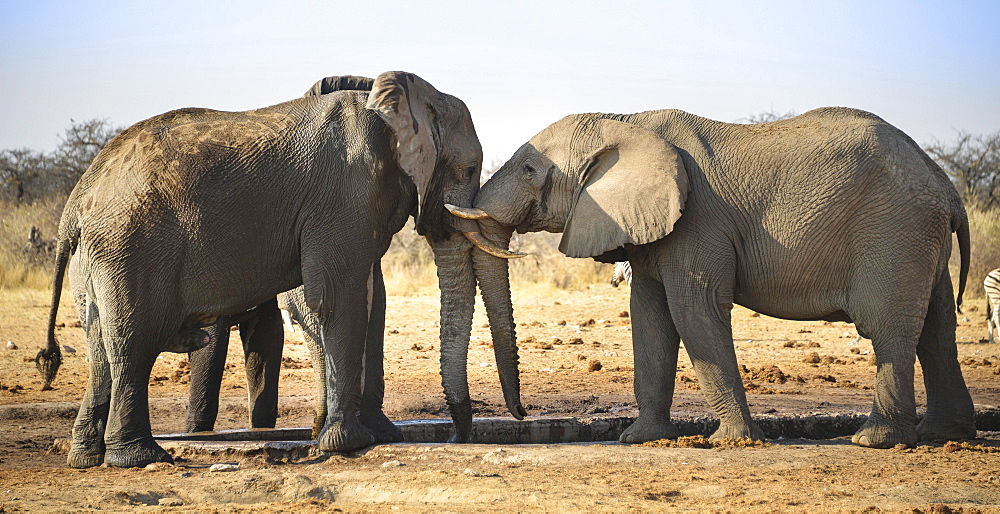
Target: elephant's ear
{"type": "Point", "coordinates": [340, 83]}
{"type": "Point", "coordinates": [402, 100]}
{"type": "Point", "coordinates": [631, 192]}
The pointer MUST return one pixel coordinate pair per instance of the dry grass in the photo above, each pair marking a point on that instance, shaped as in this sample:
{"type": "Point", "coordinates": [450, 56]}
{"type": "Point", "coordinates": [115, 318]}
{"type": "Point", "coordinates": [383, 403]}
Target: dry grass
{"type": "Point", "coordinates": [408, 266]}
{"type": "Point", "coordinates": [20, 265]}
{"type": "Point", "coordinates": [984, 235]}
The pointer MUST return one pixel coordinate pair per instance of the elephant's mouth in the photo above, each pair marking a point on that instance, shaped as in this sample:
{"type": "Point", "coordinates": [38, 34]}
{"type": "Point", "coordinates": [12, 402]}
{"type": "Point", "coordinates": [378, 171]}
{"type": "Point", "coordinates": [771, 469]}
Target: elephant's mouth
{"type": "Point", "coordinates": [474, 213]}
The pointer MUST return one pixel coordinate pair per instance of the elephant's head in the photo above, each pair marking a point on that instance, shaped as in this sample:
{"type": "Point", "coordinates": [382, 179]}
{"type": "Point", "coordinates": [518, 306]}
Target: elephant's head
{"type": "Point", "coordinates": [603, 183]}
{"type": "Point", "coordinates": [438, 148]}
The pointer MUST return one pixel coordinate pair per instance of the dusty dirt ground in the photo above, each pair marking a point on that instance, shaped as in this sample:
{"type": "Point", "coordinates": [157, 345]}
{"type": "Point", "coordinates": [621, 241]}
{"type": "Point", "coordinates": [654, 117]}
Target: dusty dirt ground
{"type": "Point", "coordinates": [576, 360]}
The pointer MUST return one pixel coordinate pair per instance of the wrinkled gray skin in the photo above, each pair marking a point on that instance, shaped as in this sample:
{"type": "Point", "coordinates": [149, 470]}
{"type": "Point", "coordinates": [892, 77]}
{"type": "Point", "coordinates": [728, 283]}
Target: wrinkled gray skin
{"type": "Point", "coordinates": [263, 338]}
{"type": "Point", "coordinates": [831, 215]}
{"type": "Point", "coordinates": [308, 192]}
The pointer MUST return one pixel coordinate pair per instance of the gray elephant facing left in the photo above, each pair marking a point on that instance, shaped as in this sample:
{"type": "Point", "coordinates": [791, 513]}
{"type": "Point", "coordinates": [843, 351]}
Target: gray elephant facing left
{"type": "Point", "coordinates": [213, 213]}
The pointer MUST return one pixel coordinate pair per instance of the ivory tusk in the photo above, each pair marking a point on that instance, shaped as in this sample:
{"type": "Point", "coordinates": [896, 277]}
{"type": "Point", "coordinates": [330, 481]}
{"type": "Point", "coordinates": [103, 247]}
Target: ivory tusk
{"type": "Point", "coordinates": [483, 244]}
{"type": "Point", "coordinates": [469, 213]}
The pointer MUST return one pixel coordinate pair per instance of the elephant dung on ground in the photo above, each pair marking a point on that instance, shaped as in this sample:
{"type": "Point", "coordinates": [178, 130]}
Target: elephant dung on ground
{"type": "Point", "coordinates": [213, 213]}
{"type": "Point", "coordinates": [831, 215]}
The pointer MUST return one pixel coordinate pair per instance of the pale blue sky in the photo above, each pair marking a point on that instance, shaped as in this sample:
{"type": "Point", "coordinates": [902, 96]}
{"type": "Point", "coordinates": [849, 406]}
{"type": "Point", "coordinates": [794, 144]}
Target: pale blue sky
{"type": "Point", "coordinates": [930, 68]}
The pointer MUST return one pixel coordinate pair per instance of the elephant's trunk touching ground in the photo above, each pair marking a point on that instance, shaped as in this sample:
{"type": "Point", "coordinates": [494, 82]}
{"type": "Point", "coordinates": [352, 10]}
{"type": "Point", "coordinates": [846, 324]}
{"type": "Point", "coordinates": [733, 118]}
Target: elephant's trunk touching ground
{"type": "Point", "coordinates": [494, 282]}
{"type": "Point", "coordinates": [457, 282]}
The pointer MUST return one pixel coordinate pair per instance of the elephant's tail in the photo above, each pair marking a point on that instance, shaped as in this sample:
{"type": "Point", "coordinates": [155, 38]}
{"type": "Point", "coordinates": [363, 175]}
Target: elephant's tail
{"type": "Point", "coordinates": [963, 250]}
{"type": "Point", "coordinates": [49, 358]}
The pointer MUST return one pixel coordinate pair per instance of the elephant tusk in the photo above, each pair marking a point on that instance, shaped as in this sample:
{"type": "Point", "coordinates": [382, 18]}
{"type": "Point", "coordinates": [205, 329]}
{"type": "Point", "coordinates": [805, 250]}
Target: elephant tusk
{"type": "Point", "coordinates": [469, 213]}
{"type": "Point", "coordinates": [483, 244]}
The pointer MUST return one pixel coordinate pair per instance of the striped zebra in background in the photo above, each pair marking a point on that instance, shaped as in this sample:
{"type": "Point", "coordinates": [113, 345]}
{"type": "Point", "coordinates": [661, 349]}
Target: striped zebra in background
{"type": "Point", "coordinates": [623, 273]}
{"type": "Point", "coordinates": [992, 287]}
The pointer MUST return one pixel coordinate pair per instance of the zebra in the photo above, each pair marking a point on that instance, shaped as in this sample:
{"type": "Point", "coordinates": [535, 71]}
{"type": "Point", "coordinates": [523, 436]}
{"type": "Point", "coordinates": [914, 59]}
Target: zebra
{"type": "Point", "coordinates": [992, 287]}
{"type": "Point", "coordinates": [623, 272]}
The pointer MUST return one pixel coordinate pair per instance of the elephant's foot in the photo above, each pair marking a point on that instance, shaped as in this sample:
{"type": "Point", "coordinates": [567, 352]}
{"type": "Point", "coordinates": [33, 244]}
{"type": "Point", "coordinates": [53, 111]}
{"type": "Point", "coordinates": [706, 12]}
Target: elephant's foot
{"type": "Point", "coordinates": [878, 433]}
{"type": "Point", "coordinates": [136, 455]}
{"type": "Point", "coordinates": [646, 428]}
{"type": "Point", "coordinates": [82, 455]}
{"type": "Point", "coordinates": [384, 430]}
{"type": "Point", "coordinates": [461, 417]}
{"type": "Point", "coordinates": [738, 430]}
{"type": "Point", "coordinates": [935, 428]}
{"type": "Point", "coordinates": [345, 436]}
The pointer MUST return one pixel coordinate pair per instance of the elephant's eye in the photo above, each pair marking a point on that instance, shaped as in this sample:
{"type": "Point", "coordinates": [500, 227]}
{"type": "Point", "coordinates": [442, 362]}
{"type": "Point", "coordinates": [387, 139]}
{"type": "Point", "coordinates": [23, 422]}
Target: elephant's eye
{"type": "Point", "coordinates": [529, 170]}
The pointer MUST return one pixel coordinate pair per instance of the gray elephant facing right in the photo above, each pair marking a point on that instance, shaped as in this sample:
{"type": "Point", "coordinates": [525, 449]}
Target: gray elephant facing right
{"type": "Point", "coordinates": [831, 215]}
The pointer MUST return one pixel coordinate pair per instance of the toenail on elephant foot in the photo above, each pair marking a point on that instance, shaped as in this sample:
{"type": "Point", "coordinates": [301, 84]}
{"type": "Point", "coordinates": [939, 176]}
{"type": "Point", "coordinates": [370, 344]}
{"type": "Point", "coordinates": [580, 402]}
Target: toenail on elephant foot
{"type": "Point", "coordinates": [136, 455]}
{"type": "Point", "coordinates": [80, 458]}
{"type": "Point", "coordinates": [344, 437]}
{"type": "Point", "coordinates": [384, 430]}
{"type": "Point", "coordinates": [881, 435]}
{"type": "Point", "coordinates": [741, 430]}
{"type": "Point", "coordinates": [643, 431]}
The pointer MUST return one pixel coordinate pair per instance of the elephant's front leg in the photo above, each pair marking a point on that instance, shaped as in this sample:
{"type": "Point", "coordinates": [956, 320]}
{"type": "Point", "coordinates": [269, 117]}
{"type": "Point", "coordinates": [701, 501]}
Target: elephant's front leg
{"type": "Point", "coordinates": [373, 392]}
{"type": "Point", "coordinates": [655, 342]}
{"type": "Point", "coordinates": [263, 340]}
{"type": "Point", "coordinates": [706, 329]}
{"type": "Point", "coordinates": [344, 330]}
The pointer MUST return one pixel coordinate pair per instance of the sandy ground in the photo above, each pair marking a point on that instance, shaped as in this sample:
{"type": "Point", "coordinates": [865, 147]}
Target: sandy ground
{"type": "Point", "coordinates": [576, 360]}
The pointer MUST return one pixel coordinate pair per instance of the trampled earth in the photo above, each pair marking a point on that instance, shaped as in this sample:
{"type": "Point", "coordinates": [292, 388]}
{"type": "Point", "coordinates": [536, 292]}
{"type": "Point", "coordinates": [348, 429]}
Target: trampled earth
{"type": "Point", "coordinates": [576, 360]}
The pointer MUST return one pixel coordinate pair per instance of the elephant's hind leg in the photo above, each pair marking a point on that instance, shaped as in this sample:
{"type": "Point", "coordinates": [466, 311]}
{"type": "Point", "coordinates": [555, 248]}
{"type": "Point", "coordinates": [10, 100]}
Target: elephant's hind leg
{"type": "Point", "coordinates": [132, 347]}
{"type": "Point", "coordinates": [894, 320]}
{"type": "Point", "coordinates": [950, 412]}
{"type": "Point", "coordinates": [656, 342]}
{"type": "Point", "coordinates": [207, 365]}
{"type": "Point", "coordinates": [263, 341]}
{"type": "Point", "coordinates": [87, 449]}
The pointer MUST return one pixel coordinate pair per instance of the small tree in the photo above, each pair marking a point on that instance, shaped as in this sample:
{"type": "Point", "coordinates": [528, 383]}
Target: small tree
{"type": "Point", "coordinates": [78, 146]}
{"type": "Point", "coordinates": [27, 175]}
{"type": "Point", "coordinates": [973, 163]}
{"type": "Point", "coordinates": [20, 172]}
{"type": "Point", "coordinates": [764, 117]}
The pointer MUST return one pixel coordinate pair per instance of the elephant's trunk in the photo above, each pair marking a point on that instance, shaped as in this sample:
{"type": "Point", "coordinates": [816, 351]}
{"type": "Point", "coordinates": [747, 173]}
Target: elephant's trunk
{"type": "Point", "coordinates": [494, 282]}
{"type": "Point", "coordinates": [457, 282]}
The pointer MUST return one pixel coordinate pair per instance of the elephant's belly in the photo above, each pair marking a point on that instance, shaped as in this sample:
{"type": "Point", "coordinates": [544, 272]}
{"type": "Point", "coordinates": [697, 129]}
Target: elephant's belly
{"type": "Point", "coordinates": [229, 291]}
{"type": "Point", "coordinates": [794, 301]}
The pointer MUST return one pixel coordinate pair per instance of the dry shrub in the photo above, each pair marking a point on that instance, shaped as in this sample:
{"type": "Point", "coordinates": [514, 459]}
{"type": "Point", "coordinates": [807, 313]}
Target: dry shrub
{"type": "Point", "coordinates": [21, 265]}
{"type": "Point", "coordinates": [409, 269]}
{"type": "Point", "coordinates": [408, 266]}
{"type": "Point", "coordinates": [984, 235]}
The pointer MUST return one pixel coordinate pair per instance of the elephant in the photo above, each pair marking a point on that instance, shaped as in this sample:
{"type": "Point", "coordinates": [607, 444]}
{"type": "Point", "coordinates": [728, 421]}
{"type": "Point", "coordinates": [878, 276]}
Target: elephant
{"type": "Point", "coordinates": [831, 215]}
{"type": "Point", "coordinates": [198, 214]}
{"type": "Point", "coordinates": [263, 339]}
